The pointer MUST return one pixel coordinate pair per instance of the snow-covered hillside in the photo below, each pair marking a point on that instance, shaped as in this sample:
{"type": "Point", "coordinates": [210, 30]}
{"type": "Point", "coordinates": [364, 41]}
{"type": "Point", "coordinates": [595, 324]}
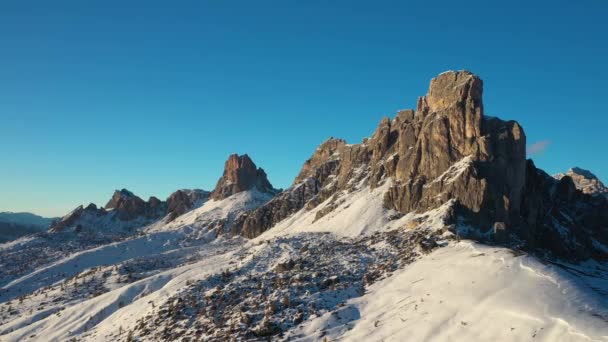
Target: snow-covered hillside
{"type": "Point", "coordinates": [471, 292]}
{"type": "Point", "coordinates": [380, 276]}
{"type": "Point", "coordinates": [369, 243]}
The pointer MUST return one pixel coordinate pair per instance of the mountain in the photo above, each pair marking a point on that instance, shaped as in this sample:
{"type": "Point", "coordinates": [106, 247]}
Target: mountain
{"type": "Point", "coordinates": [241, 174]}
{"type": "Point", "coordinates": [585, 181]}
{"type": "Point", "coordinates": [448, 151]}
{"type": "Point", "coordinates": [435, 228]}
{"type": "Point", "coordinates": [27, 219]}
{"type": "Point", "coordinates": [15, 225]}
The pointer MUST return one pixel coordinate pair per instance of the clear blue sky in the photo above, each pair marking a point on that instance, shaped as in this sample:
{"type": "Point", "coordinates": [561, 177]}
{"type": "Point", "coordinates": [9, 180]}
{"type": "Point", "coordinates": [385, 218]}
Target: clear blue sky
{"type": "Point", "coordinates": [99, 95]}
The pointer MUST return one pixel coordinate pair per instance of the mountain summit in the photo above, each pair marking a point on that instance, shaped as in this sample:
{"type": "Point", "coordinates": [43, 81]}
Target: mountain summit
{"type": "Point", "coordinates": [585, 181]}
{"type": "Point", "coordinates": [241, 174]}
{"type": "Point", "coordinates": [446, 152]}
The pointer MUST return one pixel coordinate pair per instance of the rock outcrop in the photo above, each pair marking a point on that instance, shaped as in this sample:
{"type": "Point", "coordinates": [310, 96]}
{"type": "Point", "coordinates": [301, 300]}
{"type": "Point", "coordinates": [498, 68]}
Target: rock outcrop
{"type": "Point", "coordinates": [127, 205]}
{"type": "Point", "coordinates": [241, 174]}
{"type": "Point", "coordinates": [125, 210]}
{"type": "Point", "coordinates": [185, 200]}
{"type": "Point", "coordinates": [585, 181]}
{"type": "Point", "coordinates": [445, 150]}
{"type": "Point", "coordinates": [559, 217]}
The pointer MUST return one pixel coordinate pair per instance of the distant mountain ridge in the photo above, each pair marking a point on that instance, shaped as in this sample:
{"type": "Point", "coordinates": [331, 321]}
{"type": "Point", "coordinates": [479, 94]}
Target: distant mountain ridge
{"type": "Point", "coordinates": [15, 225]}
{"type": "Point", "coordinates": [24, 218]}
{"type": "Point", "coordinates": [585, 181]}
{"type": "Point", "coordinates": [125, 211]}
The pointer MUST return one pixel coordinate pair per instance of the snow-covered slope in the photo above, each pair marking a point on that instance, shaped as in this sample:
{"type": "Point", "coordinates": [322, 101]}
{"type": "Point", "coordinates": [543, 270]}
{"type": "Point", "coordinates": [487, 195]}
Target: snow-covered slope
{"type": "Point", "coordinates": [356, 272]}
{"type": "Point", "coordinates": [348, 269]}
{"type": "Point", "coordinates": [214, 213]}
{"type": "Point", "coordinates": [471, 292]}
{"type": "Point", "coordinates": [108, 266]}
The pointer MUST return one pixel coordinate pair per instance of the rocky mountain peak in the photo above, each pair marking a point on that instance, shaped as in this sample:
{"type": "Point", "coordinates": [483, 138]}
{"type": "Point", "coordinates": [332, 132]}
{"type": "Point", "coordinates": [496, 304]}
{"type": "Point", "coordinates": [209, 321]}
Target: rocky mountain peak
{"type": "Point", "coordinates": [128, 206]}
{"type": "Point", "coordinates": [585, 181]}
{"type": "Point", "coordinates": [582, 172]}
{"type": "Point", "coordinates": [118, 197]}
{"type": "Point", "coordinates": [446, 151]}
{"type": "Point", "coordinates": [451, 89]}
{"type": "Point", "coordinates": [241, 174]}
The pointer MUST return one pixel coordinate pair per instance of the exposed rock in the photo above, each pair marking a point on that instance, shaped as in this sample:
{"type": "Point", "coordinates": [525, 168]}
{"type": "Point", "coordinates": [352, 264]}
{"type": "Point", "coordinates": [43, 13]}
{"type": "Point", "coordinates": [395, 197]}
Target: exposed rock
{"type": "Point", "coordinates": [185, 200]}
{"type": "Point", "coordinates": [68, 220]}
{"type": "Point", "coordinates": [561, 218]}
{"type": "Point", "coordinates": [254, 223]}
{"type": "Point", "coordinates": [323, 162]}
{"type": "Point", "coordinates": [585, 181]}
{"type": "Point", "coordinates": [124, 207]}
{"type": "Point", "coordinates": [448, 150]}
{"type": "Point", "coordinates": [91, 207]}
{"type": "Point", "coordinates": [285, 266]}
{"type": "Point", "coordinates": [241, 174]}
{"type": "Point", "coordinates": [444, 150]}
{"type": "Point", "coordinates": [500, 232]}
{"type": "Point", "coordinates": [127, 205]}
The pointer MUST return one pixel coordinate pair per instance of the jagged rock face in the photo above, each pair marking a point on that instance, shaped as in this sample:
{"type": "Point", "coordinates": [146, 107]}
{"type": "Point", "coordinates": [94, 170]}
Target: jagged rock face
{"type": "Point", "coordinates": [183, 201]}
{"type": "Point", "coordinates": [443, 150]}
{"type": "Point", "coordinates": [254, 223]}
{"type": "Point", "coordinates": [446, 150]}
{"type": "Point", "coordinates": [561, 218]}
{"type": "Point", "coordinates": [323, 162]}
{"type": "Point", "coordinates": [585, 181]}
{"type": "Point", "coordinates": [128, 206]}
{"type": "Point", "coordinates": [241, 174]}
{"type": "Point", "coordinates": [124, 206]}
{"type": "Point", "coordinates": [72, 219]}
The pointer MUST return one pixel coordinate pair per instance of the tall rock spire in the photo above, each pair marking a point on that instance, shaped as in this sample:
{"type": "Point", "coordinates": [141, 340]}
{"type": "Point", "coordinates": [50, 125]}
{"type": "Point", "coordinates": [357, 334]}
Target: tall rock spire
{"type": "Point", "coordinates": [241, 174]}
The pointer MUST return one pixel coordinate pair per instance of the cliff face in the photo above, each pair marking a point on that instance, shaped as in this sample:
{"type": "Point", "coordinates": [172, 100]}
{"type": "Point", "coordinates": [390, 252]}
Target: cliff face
{"type": "Point", "coordinates": [444, 150]}
{"type": "Point", "coordinates": [447, 149]}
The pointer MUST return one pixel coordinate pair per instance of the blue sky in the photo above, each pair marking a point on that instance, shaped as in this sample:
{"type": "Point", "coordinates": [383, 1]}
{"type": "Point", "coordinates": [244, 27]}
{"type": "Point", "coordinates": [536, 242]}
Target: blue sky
{"type": "Point", "coordinates": [99, 95]}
